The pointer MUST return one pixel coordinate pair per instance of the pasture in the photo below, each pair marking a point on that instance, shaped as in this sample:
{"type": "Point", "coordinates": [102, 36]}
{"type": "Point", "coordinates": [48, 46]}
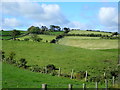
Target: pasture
{"type": "Point", "coordinates": [14, 77]}
{"type": "Point", "coordinates": [44, 37]}
{"type": "Point", "coordinates": [88, 32]}
{"type": "Point", "coordinates": [66, 57]}
{"type": "Point", "coordinates": [89, 42]}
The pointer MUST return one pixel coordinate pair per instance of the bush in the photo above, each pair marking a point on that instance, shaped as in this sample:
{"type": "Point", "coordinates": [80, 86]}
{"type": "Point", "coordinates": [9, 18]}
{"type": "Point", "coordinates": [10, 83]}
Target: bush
{"type": "Point", "coordinates": [22, 63]}
{"type": "Point", "coordinates": [35, 68]}
{"type": "Point", "coordinates": [26, 39]}
{"type": "Point", "coordinates": [80, 75]}
{"type": "Point", "coordinates": [53, 41]}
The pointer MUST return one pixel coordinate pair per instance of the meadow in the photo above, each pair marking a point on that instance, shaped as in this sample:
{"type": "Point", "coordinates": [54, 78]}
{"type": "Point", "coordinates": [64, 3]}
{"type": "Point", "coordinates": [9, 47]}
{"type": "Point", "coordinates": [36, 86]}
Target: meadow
{"type": "Point", "coordinates": [18, 78]}
{"type": "Point", "coordinates": [89, 42]}
{"type": "Point", "coordinates": [44, 37]}
{"type": "Point", "coordinates": [88, 32]}
{"type": "Point", "coordinates": [66, 57]}
{"type": "Point", "coordinates": [79, 53]}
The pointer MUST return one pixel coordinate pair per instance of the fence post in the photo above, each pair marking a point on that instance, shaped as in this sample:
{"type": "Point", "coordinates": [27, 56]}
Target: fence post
{"type": "Point", "coordinates": [46, 70]}
{"type": "Point", "coordinates": [69, 86]}
{"type": "Point", "coordinates": [44, 86]}
{"type": "Point", "coordinates": [104, 74]}
{"type": "Point", "coordinates": [59, 73]}
{"type": "Point", "coordinates": [96, 85]}
{"type": "Point", "coordinates": [71, 74]}
{"type": "Point", "coordinates": [106, 84]}
{"type": "Point", "coordinates": [84, 86]}
{"type": "Point", "coordinates": [86, 76]}
{"type": "Point", "coordinates": [113, 80]}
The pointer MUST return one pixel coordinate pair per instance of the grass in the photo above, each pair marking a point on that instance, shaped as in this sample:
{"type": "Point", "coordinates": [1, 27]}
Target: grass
{"type": "Point", "coordinates": [89, 42]}
{"type": "Point", "coordinates": [14, 77]}
{"type": "Point", "coordinates": [88, 32]}
{"type": "Point", "coordinates": [66, 57]}
{"type": "Point", "coordinates": [56, 33]}
{"type": "Point", "coordinates": [9, 32]}
{"type": "Point", "coordinates": [44, 37]}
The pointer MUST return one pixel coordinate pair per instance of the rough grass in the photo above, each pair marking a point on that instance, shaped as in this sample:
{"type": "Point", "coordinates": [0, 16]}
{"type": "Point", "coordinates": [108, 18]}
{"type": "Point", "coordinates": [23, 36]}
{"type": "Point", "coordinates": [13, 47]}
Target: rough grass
{"type": "Point", "coordinates": [44, 37]}
{"type": "Point", "coordinates": [14, 77]}
{"type": "Point", "coordinates": [88, 32]}
{"type": "Point", "coordinates": [62, 56]}
{"type": "Point", "coordinates": [89, 42]}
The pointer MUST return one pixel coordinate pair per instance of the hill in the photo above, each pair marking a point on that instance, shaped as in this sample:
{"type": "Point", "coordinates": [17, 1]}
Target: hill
{"type": "Point", "coordinates": [14, 77]}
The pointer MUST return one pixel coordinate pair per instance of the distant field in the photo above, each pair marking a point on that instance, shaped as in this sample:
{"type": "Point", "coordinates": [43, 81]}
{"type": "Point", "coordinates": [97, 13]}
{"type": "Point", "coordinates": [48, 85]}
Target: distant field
{"type": "Point", "coordinates": [56, 33]}
{"type": "Point", "coordinates": [62, 56]}
{"type": "Point", "coordinates": [14, 77]}
{"type": "Point", "coordinates": [89, 42]}
{"type": "Point", "coordinates": [88, 32]}
{"type": "Point", "coordinates": [44, 37]}
{"type": "Point", "coordinates": [9, 32]}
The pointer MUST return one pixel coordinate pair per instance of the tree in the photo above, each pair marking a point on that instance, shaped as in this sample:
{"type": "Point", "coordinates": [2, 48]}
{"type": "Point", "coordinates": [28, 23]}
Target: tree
{"type": "Point", "coordinates": [115, 33]}
{"type": "Point", "coordinates": [34, 30]}
{"type": "Point", "coordinates": [14, 33]}
{"type": "Point", "coordinates": [34, 37]}
{"type": "Point", "coordinates": [66, 30]}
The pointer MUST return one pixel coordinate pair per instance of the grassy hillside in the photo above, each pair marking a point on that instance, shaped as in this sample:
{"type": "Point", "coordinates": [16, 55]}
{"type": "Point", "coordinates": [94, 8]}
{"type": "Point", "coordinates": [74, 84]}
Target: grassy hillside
{"type": "Point", "coordinates": [7, 34]}
{"type": "Point", "coordinates": [62, 56]}
{"type": "Point", "coordinates": [14, 77]}
{"type": "Point", "coordinates": [88, 32]}
{"type": "Point", "coordinates": [44, 37]}
{"type": "Point", "coordinates": [89, 42]}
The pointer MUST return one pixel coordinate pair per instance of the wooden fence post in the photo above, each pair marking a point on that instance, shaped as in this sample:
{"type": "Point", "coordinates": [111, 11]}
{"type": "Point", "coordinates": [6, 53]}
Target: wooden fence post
{"type": "Point", "coordinates": [44, 86]}
{"type": "Point", "coordinates": [59, 73]}
{"type": "Point", "coordinates": [46, 70]}
{"type": "Point", "coordinates": [72, 74]}
{"type": "Point", "coordinates": [84, 86]}
{"type": "Point", "coordinates": [113, 80]}
{"type": "Point", "coordinates": [69, 86]}
{"type": "Point", "coordinates": [106, 83]}
{"type": "Point", "coordinates": [104, 74]}
{"type": "Point", "coordinates": [86, 76]}
{"type": "Point", "coordinates": [96, 85]}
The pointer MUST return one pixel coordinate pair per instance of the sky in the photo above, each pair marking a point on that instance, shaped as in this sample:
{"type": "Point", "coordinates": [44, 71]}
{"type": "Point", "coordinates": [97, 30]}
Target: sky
{"type": "Point", "coordinates": [75, 15]}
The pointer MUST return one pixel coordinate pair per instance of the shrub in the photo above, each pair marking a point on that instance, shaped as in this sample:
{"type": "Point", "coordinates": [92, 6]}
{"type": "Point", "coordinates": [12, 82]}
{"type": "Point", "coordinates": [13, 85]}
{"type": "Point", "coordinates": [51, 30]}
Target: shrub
{"type": "Point", "coordinates": [26, 39]}
{"type": "Point", "coordinates": [22, 63]}
{"type": "Point", "coordinates": [80, 75]}
{"type": "Point", "coordinates": [53, 41]}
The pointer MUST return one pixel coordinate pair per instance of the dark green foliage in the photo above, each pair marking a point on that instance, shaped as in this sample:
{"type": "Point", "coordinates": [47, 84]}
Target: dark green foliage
{"type": "Point", "coordinates": [50, 67]}
{"type": "Point", "coordinates": [2, 55]}
{"type": "Point", "coordinates": [59, 36]}
{"type": "Point", "coordinates": [22, 63]}
{"type": "Point", "coordinates": [66, 30]}
{"type": "Point", "coordinates": [10, 58]}
{"type": "Point", "coordinates": [34, 30]}
{"type": "Point", "coordinates": [80, 75]}
{"type": "Point", "coordinates": [14, 33]}
{"type": "Point", "coordinates": [35, 68]}
{"type": "Point", "coordinates": [53, 41]}
{"type": "Point", "coordinates": [26, 39]}
{"type": "Point", "coordinates": [34, 37]}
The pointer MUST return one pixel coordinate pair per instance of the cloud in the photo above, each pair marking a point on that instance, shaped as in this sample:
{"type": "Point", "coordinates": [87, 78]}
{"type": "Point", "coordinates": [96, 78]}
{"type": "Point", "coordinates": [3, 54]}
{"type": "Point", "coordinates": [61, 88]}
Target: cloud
{"type": "Point", "coordinates": [45, 14]}
{"type": "Point", "coordinates": [108, 17]}
{"type": "Point", "coordinates": [10, 23]}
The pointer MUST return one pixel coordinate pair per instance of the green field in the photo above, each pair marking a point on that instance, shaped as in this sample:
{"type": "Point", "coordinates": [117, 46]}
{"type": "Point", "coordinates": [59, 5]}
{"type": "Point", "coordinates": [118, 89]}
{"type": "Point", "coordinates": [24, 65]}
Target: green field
{"type": "Point", "coordinates": [89, 42]}
{"type": "Point", "coordinates": [9, 32]}
{"type": "Point", "coordinates": [14, 77]}
{"type": "Point", "coordinates": [44, 37]}
{"type": "Point", "coordinates": [88, 32]}
{"type": "Point", "coordinates": [62, 56]}
{"type": "Point", "coordinates": [79, 53]}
